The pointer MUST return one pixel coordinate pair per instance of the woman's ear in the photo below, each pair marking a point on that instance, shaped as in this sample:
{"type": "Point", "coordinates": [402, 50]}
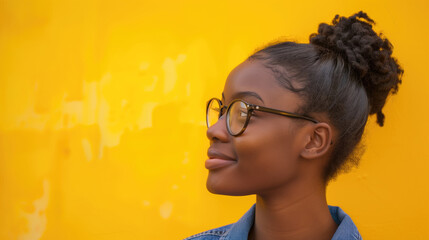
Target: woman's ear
{"type": "Point", "coordinates": [319, 141]}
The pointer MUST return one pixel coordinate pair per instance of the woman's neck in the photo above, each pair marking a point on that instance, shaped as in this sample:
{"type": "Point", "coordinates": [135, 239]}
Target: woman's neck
{"type": "Point", "coordinates": [293, 214]}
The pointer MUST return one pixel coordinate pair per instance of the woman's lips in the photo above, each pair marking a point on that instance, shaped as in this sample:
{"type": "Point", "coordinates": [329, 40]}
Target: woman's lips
{"type": "Point", "coordinates": [218, 159]}
{"type": "Point", "coordinates": [215, 163]}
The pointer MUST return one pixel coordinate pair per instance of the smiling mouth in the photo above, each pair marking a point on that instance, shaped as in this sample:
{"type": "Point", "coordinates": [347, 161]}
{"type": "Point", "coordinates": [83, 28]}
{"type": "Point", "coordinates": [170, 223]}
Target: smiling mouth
{"type": "Point", "coordinates": [218, 160]}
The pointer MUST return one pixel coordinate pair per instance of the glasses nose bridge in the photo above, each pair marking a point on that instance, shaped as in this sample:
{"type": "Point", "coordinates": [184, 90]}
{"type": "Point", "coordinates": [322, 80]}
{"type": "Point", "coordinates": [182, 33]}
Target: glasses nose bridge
{"type": "Point", "coordinates": [223, 110]}
{"type": "Point", "coordinates": [222, 115]}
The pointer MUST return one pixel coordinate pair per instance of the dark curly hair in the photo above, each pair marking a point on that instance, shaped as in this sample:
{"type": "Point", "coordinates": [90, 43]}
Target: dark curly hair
{"type": "Point", "coordinates": [346, 71]}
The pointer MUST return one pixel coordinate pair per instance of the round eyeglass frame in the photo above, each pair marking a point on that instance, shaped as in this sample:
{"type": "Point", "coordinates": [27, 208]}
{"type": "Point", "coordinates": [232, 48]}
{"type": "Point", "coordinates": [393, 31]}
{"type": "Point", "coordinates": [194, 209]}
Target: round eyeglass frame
{"type": "Point", "coordinates": [250, 108]}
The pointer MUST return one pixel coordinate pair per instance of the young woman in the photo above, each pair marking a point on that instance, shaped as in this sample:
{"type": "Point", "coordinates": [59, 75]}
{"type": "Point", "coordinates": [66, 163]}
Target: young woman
{"type": "Point", "coordinates": [290, 119]}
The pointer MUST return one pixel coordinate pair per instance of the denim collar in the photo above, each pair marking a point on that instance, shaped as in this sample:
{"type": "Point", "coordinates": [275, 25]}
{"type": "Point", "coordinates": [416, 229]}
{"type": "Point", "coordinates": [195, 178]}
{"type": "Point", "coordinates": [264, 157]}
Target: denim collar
{"type": "Point", "coordinates": [346, 230]}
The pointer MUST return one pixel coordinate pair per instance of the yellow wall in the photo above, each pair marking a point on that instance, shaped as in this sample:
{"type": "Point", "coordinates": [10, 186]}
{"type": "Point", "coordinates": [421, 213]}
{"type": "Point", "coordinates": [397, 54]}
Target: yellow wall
{"type": "Point", "coordinates": [102, 131]}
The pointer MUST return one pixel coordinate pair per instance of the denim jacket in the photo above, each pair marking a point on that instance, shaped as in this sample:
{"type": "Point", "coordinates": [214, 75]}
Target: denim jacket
{"type": "Point", "coordinates": [240, 230]}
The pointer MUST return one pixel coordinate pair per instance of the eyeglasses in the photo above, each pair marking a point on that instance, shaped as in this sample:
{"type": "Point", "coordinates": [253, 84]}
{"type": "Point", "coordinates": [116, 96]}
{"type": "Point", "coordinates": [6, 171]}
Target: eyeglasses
{"type": "Point", "coordinates": [238, 114]}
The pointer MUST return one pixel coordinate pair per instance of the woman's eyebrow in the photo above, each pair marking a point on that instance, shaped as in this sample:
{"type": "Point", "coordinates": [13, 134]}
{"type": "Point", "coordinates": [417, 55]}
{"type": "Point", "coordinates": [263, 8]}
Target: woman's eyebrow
{"type": "Point", "coordinates": [244, 94]}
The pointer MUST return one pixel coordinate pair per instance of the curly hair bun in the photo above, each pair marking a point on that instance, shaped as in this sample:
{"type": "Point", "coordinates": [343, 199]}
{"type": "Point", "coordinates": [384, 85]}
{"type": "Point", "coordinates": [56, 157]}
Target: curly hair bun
{"type": "Point", "coordinates": [367, 53]}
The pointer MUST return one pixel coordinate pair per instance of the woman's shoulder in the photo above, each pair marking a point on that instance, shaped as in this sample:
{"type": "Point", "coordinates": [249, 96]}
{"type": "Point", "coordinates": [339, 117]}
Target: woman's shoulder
{"type": "Point", "coordinates": [212, 234]}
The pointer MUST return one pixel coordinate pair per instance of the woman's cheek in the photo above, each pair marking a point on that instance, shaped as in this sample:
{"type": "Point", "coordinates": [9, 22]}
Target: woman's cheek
{"type": "Point", "coordinates": [254, 152]}
{"type": "Point", "coordinates": [265, 152]}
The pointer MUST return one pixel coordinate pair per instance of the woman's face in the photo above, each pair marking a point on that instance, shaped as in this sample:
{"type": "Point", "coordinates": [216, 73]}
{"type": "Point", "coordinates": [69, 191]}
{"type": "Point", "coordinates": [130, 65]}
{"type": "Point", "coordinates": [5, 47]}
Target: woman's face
{"type": "Point", "coordinates": [267, 155]}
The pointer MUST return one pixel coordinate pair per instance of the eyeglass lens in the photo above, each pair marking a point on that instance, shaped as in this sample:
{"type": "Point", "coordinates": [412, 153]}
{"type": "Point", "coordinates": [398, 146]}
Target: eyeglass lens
{"type": "Point", "coordinates": [213, 112]}
{"type": "Point", "coordinates": [236, 115]}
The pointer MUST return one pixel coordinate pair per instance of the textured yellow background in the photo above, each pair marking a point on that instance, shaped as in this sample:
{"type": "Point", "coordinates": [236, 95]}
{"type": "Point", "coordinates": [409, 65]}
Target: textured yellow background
{"type": "Point", "coordinates": [102, 131]}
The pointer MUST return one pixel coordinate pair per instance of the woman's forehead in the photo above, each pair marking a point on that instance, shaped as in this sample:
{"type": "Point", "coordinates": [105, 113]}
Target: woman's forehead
{"type": "Point", "coordinates": [248, 76]}
{"type": "Point", "coordinates": [251, 79]}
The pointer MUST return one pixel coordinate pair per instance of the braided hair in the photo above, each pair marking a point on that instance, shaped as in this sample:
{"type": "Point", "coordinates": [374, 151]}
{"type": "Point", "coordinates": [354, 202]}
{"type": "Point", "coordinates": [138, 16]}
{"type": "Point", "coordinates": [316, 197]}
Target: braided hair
{"type": "Point", "coordinates": [346, 71]}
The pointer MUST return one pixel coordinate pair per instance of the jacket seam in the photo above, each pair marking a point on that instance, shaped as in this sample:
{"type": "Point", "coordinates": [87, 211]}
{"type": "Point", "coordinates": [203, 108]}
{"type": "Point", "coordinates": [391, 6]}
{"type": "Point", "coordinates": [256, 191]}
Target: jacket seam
{"type": "Point", "coordinates": [216, 233]}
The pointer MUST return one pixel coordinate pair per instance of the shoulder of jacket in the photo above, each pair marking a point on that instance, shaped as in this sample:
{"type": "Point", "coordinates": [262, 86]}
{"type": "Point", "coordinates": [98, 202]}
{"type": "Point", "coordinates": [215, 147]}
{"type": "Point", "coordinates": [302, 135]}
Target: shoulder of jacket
{"type": "Point", "coordinates": [214, 234]}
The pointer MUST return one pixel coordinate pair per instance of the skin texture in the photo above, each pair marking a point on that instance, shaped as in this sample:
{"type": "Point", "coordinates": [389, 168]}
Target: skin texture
{"type": "Point", "coordinates": [279, 159]}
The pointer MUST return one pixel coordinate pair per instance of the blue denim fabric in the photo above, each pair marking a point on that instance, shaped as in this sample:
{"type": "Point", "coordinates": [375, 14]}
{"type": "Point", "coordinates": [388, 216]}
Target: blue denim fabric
{"type": "Point", "coordinates": [240, 230]}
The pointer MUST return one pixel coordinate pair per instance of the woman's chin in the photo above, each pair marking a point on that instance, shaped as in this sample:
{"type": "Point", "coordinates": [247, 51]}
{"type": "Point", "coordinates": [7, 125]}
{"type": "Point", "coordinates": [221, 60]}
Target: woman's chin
{"type": "Point", "coordinates": [222, 188]}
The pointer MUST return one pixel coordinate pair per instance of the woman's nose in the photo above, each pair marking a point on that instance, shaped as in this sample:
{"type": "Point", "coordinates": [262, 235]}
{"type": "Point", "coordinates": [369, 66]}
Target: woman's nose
{"type": "Point", "coordinates": [218, 131]}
